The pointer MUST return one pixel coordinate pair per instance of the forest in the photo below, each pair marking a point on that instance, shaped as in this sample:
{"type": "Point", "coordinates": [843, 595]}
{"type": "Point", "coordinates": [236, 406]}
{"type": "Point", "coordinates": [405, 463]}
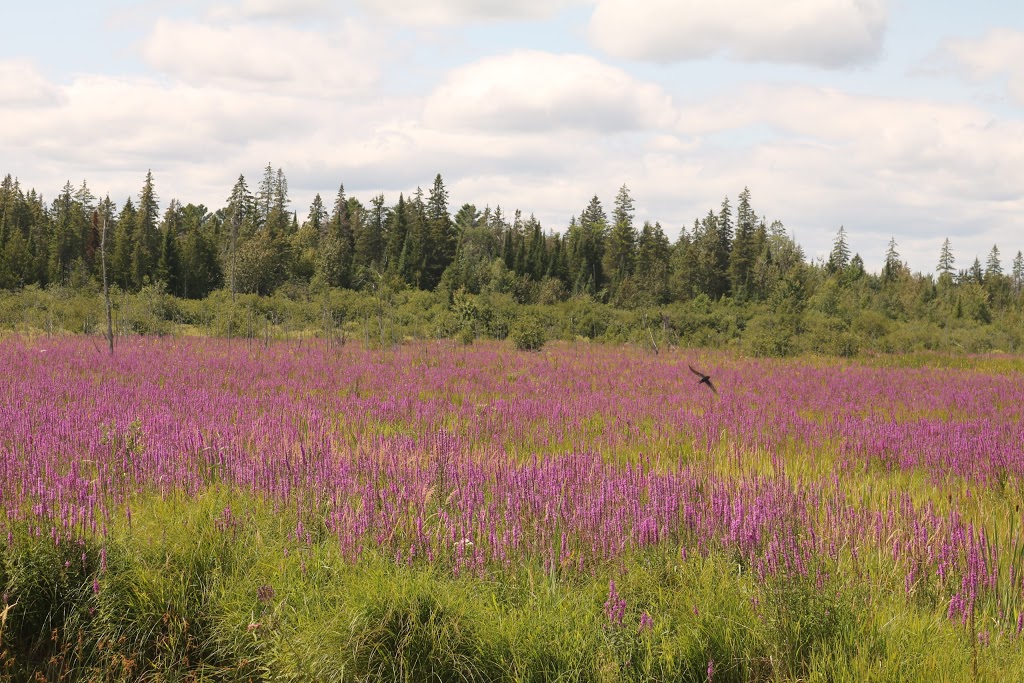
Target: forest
{"type": "Point", "coordinates": [412, 268]}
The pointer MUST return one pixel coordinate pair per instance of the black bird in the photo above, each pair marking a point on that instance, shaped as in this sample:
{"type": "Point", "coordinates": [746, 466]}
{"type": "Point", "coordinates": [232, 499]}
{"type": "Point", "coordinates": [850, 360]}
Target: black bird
{"type": "Point", "coordinates": [704, 379]}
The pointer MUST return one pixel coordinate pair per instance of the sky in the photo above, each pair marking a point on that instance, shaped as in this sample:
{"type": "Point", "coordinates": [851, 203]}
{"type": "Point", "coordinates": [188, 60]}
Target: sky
{"type": "Point", "coordinates": [897, 119]}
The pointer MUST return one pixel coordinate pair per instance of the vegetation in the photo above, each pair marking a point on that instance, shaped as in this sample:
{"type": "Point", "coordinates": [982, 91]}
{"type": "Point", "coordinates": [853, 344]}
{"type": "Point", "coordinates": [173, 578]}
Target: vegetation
{"type": "Point", "coordinates": [412, 269]}
{"type": "Point", "coordinates": [213, 509]}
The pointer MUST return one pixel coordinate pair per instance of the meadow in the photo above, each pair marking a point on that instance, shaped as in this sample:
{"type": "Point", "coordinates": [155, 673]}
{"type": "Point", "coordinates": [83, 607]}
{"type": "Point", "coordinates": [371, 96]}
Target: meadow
{"type": "Point", "coordinates": [193, 509]}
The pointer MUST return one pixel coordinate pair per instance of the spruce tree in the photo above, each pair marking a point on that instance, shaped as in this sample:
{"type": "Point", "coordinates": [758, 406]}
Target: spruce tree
{"type": "Point", "coordinates": [145, 241]}
{"type": "Point", "coordinates": [743, 254]}
{"type": "Point", "coordinates": [839, 258]}
{"type": "Point", "coordinates": [620, 249]}
{"type": "Point", "coordinates": [892, 266]}
{"type": "Point", "coordinates": [993, 267]}
{"type": "Point", "coordinates": [1018, 271]}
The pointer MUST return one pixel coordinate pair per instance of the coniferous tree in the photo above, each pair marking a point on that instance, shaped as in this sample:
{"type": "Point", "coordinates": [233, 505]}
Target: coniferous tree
{"type": "Point", "coordinates": [620, 249]}
{"type": "Point", "coordinates": [341, 232]}
{"type": "Point", "coordinates": [370, 236]}
{"type": "Point", "coordinates": [839, 258]}
{"type": "Point", "coordinates": [976, 274]}
{"type": "Point", "coordinates": [726, 230]}
{"type": "Point", "coordinates": [145, 240]}
{"type": "Point", "coordinates": [993, 267]}
{"type": "Point", "coordinates": [536, 252]}
{"type": "Point", "coordinates": [200, 266]}
{"type": "Point", "coordinates": [442, 238]}
{"type": "Point", "coordinates": [586, 248]}
{"type": "Point", "coordinates": [945, 268]}
{"type": "Point", "coordinates": [318, 217]}
{"type": "Point", "coordinates": [743, 254]}
{"type": "Point", "coordinates": [1018, 271]}
{"type": "Point", "coordinates": [892, 267]}
{"type": "Point", "coordinates": [121, 249]}
{"type": "Point", "coordinates": [64, 243]}
{"type": "Point", "coordinates": [652, 262]}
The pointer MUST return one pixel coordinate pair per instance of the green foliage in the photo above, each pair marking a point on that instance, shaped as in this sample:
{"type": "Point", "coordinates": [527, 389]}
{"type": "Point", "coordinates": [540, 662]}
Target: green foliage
{"type": "Point", "coordinates": [528, 334]}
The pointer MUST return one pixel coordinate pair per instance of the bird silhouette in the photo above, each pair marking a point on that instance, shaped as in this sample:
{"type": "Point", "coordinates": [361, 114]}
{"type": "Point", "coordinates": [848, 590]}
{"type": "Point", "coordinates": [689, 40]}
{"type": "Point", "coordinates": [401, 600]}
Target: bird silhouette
{"type": "Point", "coordinates": [704, 379]}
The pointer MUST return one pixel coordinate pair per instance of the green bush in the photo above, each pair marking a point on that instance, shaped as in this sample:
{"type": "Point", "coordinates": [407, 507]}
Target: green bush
{"type": "Point", "coordinates": [528, 334]}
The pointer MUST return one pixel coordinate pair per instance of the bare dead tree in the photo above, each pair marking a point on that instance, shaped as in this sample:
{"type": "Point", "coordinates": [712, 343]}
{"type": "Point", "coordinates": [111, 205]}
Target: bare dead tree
{"type": "Point", "coordinates": [106, 287]}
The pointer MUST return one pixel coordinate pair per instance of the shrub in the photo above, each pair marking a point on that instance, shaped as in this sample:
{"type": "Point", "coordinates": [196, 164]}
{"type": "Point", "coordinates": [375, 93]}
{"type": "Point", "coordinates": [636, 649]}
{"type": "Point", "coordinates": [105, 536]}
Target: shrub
{"type": "Point", "coordinates": [528, 334]}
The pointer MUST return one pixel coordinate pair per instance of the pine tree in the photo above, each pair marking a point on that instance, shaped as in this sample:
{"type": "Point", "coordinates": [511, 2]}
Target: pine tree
{"type": "Point", "coordinates": [318, 217]}
{"type": "Point", "coordinates": [442, 238]}
{"type": "Point", "coordinates": [121, 249]}
{"type": "Point", "coordinates": [725, 228]}
{"type": "Point", "coordinates": [743, 254]}
{"type": "Point", "coordinates": [536, 253]}
{"type": "Point", "coordinates": [201, 271]}
{"type": "Point", "coordinates": [64, 242]}
{"type": "Point", "coordinates": [168, 268]}
{"type": "Point", "coordinates": [620, 248]}
{"type": "Point", "coordinates": [993, 267]}
{"type": "Point", "coordinates": [1018, 271]}
{"type": "Point", "coordinates": [946, 260]}
{"type": "Point", "coordinates": [340, 231]}
{"type": "Point", "coordinates": [145, 241]}
{"type": "Point", "coordinates": [370, 236]}
{"type": "Point", "coordinates": [840, 256]}
{"type": "Point", "coordinates": [586, 248]}
{"type": "Point", "coordinates": [976, 273]}
{"type": "Point", "coordinates": [652, 261]}
{"type": "Point", "coordinates": [892, 267]}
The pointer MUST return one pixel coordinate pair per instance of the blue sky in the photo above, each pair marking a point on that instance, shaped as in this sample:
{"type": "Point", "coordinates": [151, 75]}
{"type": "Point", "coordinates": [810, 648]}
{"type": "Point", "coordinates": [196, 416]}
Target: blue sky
{"type": "Point", "coordinates": [893, 118]}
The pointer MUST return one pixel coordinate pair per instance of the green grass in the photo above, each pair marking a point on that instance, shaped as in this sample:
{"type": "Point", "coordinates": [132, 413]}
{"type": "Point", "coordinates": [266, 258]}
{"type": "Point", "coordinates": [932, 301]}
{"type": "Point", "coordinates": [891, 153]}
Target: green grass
{"type": "Point", "coordinates": [192, 593]}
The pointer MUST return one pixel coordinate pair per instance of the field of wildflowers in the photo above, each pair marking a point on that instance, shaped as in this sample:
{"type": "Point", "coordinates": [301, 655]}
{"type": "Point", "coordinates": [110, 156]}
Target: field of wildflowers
{"type": "Point", "coordinates": [199, 509]}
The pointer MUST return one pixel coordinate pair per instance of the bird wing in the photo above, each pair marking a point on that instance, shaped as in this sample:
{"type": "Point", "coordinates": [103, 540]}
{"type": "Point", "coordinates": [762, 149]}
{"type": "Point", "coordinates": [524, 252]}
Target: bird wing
{"type": "Point", "coordinates": [696, 372]}
{"type": "Point", "coordinates": [708, 382]}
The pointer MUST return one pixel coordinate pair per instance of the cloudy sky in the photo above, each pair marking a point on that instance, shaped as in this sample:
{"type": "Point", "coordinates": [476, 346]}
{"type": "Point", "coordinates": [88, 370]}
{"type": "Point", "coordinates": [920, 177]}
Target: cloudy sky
{"type": "Point", "coordinates": [900, 118]}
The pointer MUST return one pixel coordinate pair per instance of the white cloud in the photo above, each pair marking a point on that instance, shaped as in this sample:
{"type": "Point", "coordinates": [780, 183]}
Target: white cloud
{"type": "Point", "coordinates": [539, 91]}
{"type": "Point", "coordinates": [828, 33]}
{"type": "Point", "coordinates": [1000, 53]}
{"type": "Point", "coordinates": [328, 63]}
{"type": "Point", "coordinates": [271, 9]}
{"type": "Point", "coordinates": [449, 12]}
{"type": "Point", "coordinates": [21, 85]}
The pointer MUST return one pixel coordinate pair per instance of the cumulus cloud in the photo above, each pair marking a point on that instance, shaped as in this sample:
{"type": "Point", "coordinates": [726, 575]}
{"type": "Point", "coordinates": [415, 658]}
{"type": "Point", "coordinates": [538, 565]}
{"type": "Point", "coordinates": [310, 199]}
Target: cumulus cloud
{"type": "Point", "coordinates": [998, 54]}
{"type": "Point", "coordinates": [448, 12]}
{"type": "Point", "coordinates": [330, 63]}
{"type": "Point", "coordinates": [21, 85]}
{"type": "Point", "coordinates": [540, 91]}
{"type": "Point", "coordinates": [826, 33]}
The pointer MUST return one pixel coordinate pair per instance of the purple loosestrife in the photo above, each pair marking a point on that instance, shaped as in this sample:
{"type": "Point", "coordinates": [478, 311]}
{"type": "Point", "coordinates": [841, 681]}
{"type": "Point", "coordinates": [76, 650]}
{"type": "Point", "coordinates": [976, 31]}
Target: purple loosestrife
{"type": "Point", "coordinates": [484, 458]}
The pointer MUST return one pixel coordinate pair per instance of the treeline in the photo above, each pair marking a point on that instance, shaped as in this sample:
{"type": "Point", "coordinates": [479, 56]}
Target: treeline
{"type": "Point", "coordinates": [731, 257]}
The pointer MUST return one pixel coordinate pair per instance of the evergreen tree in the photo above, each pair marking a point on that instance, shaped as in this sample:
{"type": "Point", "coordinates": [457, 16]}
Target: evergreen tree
{"type": "Point", "coordinates": [652, 262]}
{"type": "Point", "coordinates": [946, 260]}
{"type": "Point", "coordinates": [586, 248]}
{"type": "Point", "coordinates": [536, 253]}
{"type": "Point", "coordinates": [620, 248]}
{"type": "Point", "coordinates": [725, 228]}
{"type": "Point", "coordinates": [318, 217]}
{"type": "Point", "coordinates": [145, 241]}
{"type": "Point", "coordinates": [200, 268]}
{"type": "Point", "coordinates": [442, 238]}
{"type": "Point", "coordinates": [370, 236]}
{"type": "Point", "coordinates": [64, 242]}
{"type": "Point", "coordinates": [892, 268]}
{"type": "Point", "coordinates": [993, 267]}
{"type": "Point", "coordinates": [168, 267]}
{"type": "Point", "coordinates": [120, 250]}
{"type": "Point", "coordinates": [976, 274]}
{"type": "Point", "coordinates": [840, 256]}
{"type": "Point", "coordinates": [1018, 271]}
{"type": "Point", "coordinates": [743, 254]}
{"type": "Point", "coordinates": [341, 233]}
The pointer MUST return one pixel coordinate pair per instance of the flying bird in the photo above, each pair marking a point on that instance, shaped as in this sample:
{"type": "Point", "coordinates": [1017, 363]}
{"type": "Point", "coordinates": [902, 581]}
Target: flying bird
{"type": "Point", "coordinates": [704, 379]}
